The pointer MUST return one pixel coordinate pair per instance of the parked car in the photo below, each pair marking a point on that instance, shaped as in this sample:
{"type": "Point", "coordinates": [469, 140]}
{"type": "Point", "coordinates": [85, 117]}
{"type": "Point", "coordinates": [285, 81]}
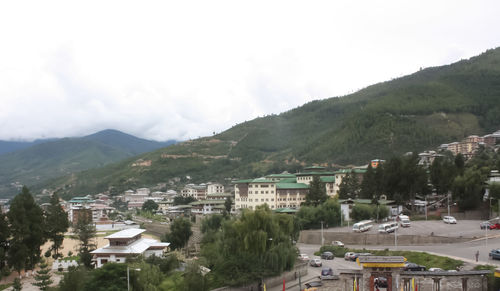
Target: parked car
{"type": "Point", "coordinates": [347, 256]}
{"type": "Point", "coordinates": [495, 254]}
{"type": "Point", "coordinates": [327, 271]}
{"type": "Point", "coordinates": [327, 256]}
{"type": "Point", "coordinates": [436, 270]}
{"type": "Point", "coordinates": [303, 257]}
{"type": "Point", "coordinates": [337, 243]}
{"type": "Point", "coordinates": [414, 267]}
{"type": "Point", "coordinates": [449, 219]}
{"type": "Point", "coordinates": [315, 263]}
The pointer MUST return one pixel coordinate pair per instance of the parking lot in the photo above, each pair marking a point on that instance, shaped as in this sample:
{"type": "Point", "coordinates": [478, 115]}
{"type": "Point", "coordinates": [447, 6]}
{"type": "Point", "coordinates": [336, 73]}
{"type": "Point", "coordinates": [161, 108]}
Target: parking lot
{"type": "Point", "coordinates": [463, 228]}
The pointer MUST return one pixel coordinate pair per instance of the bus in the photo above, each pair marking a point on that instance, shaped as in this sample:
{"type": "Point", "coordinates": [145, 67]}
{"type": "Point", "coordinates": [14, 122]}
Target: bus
{"type": "Point", "coordinates": [388, 227]}
{"type": "Point", "coordinates": [362, 226]}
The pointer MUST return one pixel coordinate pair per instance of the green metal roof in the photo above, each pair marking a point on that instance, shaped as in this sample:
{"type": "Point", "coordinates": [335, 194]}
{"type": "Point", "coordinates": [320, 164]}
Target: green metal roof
{"type": "Point", "coordinates": [291, 186]}
{"type": "Point", "coordinates": [315, 173]}
{"type": "Point", "coordinates": [345, 171]}
{"type": "Point", "coordinates": [220, 201]}
{"type": "Point", "coordinates": [315, 167]}
{"type": "Point", "coordinates": [220, 195]}
{"type": "Point", "coordinates": [262, 180]}
{"type": "Point", "coordinates": [280, 176]}
{"type": "Point", "coordinates": [289, 180]}
{"type": "Point", "coordinates": [328, 179]}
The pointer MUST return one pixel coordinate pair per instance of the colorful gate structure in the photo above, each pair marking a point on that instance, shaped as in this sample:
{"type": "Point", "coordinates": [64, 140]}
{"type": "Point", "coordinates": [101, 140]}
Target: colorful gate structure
{"type": "Point", "coordinates": [386, 273]}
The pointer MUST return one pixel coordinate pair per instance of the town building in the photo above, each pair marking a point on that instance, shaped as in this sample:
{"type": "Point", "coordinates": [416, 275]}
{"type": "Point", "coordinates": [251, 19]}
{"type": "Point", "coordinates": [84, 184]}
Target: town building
{"type": "Point", "coordinates": [205, 207]}
{"type": "Point", "coordinates": [126, 243]}
{"type": "Point", "coordinates": [198, 192]}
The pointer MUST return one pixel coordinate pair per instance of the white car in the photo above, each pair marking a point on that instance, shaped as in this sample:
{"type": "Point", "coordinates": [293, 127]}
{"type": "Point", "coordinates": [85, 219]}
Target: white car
{"type": "Point", "coordinates": [449, 219]}
{"type": "Point", "coordinates": [337, 243]}
{"type": "Point", "coordinates": [303, 257]}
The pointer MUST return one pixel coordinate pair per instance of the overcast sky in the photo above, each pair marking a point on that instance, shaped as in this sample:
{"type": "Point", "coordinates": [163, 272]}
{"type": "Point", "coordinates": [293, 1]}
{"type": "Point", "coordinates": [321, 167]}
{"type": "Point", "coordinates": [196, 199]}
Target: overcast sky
{"type": "Point", "coordinates": [183, 69]}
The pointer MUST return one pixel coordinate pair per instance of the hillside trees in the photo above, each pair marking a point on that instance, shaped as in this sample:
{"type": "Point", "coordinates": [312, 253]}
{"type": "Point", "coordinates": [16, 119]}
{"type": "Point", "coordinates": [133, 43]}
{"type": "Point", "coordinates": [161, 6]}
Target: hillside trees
{"type": "Point", "coordinates": [256, 245]}
{"type": "Point", "coordinates": [468, 188]}
{"type": "Point", "coordinates": [442, 173]}
{"type": "Point", "coordinates": [310, 217]}
{"type": "Point", "coordinates": [150, 206]}
{"type": "Point", "coordinates": [27, 231]}
{"type": "Point", "coordinates": [56, 224]}
{"type": "Point", "coordinates": [180, 232]}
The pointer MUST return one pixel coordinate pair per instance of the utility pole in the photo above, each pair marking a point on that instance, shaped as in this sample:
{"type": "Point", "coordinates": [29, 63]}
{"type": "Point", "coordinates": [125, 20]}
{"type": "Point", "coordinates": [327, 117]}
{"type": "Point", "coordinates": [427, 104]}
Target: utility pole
{"type": "Point", "coordinates": [425, 207]}
{"type": "Point", "coordinates": [449, 203]}
{"type": "Point", "coordinates": [322, 238]}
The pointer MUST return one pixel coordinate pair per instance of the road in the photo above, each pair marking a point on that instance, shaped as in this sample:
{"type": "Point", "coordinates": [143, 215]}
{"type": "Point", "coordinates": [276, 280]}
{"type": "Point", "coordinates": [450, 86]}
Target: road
{"type": "Point", "coordinates": [480, 240]}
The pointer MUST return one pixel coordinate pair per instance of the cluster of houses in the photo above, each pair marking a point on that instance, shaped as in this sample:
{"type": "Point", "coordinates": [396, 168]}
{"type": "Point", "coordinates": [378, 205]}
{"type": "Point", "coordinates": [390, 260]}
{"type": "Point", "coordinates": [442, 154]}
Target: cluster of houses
{"type": "Point", "coordinates": [469, 146]}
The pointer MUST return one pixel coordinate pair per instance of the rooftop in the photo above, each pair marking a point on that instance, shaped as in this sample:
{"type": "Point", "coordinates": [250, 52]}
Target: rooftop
{"type": "Point", "coordinates": [291, 186]}
{"type": "Point", "coordinates": [127, 233]}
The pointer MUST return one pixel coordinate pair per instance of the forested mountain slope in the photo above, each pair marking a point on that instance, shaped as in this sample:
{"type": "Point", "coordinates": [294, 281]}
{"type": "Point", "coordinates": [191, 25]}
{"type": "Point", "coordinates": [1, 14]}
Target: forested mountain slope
{"type": "Point", "coordinates": [60, 157]}
{"type": "Point", "coordinates": [412, 113]}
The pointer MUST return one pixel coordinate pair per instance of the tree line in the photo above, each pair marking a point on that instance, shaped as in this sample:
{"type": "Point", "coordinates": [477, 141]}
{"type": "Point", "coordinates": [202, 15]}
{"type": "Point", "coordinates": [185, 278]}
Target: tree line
{"type": "Point", "coordinates": [403, 179]}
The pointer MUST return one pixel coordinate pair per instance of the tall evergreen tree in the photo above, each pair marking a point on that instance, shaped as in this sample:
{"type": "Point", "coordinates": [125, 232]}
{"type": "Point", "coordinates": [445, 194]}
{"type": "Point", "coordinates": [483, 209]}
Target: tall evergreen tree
{"type": "Point", "coordinates": [369, 184]}
{"type": "Point", "coordinates": [317, 192]}
{"type": "Point", "coordinates": [42, 276]}
{"type": "Point", "coordinates": [27, 229]}
{"type": "Point", "coordinates": [57, 224]}
{"type": "Point", "coordinates": [4, 242]}
{"type": "Point", "coordinates": [85, 231]}
{"type": "Point", "coordinates": [349, 187]}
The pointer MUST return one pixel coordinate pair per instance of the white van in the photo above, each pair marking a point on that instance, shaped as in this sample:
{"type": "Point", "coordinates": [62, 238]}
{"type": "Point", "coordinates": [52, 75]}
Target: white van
{"type": "Point", "coordinates": [362, 226]}
{"type": "Point", "coordinates": [387, 227]}
{"type": "Point", "coordinates": [404, 221]}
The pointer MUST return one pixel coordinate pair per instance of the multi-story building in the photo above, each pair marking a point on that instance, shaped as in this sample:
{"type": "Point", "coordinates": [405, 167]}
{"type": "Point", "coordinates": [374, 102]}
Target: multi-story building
{"type": "Point", "coordinates": [198, 192]}
{"type": "Point", "coordinates": [285, 190]}
{"type": "Point", "coordinates": [214, 188]}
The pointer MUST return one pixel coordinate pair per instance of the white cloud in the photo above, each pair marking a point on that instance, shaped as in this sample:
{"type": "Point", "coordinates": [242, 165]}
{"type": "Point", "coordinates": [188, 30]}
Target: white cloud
{"type": "Point", "coordinates": [184, 69]}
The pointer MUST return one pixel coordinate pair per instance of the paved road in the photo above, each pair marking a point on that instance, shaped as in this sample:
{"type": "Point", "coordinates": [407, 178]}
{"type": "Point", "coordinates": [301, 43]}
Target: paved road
{"type": "Point", "coordinates": [464, 228]}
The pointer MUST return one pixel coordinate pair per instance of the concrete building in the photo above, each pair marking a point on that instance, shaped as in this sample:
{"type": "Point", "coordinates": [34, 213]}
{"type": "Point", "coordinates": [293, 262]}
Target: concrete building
{"type": "Point", "coordinates": [205, 207]}
{"type": "Point", "coordinates": [214, 188]}
{"type": "Point", "coordinates": [125, 243]}
{"type": "Point", "coordinates": [198, 192]}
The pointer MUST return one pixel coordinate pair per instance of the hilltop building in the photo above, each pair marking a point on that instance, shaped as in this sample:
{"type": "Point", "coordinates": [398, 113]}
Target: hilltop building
{"type": "Point", "coordinates": [200, 192]}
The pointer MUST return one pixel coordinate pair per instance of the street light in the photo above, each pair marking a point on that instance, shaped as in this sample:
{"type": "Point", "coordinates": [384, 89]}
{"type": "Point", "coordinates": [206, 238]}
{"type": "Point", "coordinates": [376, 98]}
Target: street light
{"type": "Point", "coordinates": [128, 277]}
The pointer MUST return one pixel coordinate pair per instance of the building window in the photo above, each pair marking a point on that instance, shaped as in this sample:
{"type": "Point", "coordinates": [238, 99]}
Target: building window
{"type": "Point", "coordinates": [262, 200]}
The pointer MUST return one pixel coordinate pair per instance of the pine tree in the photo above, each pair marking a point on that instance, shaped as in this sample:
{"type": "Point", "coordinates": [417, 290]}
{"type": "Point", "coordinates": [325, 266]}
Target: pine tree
{"type": "Point", "coordinates": [4, 242]}
{"type": "Point", "coordinates": [43, 277]}
{"type": "Point", "coordinates": [317, 192]}
{"type": "Point", "coordinates": [57, 224]}
{"type": "Point", "coordinates": [85, 231]}
{"type": "Point", "coordinates": [27, 231]}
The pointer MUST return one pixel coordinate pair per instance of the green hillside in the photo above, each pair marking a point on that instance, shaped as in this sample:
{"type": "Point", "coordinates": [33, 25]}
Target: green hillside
{"type": "Point", "coordinates": [413, 113]}
{"type": "Point", "coordinates": [61, 157]}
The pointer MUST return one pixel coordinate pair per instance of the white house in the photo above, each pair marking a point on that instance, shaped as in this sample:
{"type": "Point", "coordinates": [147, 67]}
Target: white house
{"type": "Point", "coordinates": [125, 243]}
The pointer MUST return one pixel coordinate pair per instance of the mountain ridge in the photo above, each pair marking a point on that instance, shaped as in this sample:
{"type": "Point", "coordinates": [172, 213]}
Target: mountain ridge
{"type": "Point", "coordinates": [412, 113]}
{"type": "Point", "coordinates": [63, 156]}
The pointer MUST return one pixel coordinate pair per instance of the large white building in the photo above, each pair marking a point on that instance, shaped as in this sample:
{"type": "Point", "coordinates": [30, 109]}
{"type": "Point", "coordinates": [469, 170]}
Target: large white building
{"type": "Point", "coordinates": [125, 243]}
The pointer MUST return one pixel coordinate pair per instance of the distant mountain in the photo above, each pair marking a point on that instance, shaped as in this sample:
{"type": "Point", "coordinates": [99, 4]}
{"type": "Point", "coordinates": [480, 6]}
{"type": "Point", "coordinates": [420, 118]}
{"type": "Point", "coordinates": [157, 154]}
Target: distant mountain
{"type": "Point", "coordinates": [12, 146]}
{"type": "Point", "coordinates": [412, 113]}
{"type": "Point", "coordinates": [50, 159]}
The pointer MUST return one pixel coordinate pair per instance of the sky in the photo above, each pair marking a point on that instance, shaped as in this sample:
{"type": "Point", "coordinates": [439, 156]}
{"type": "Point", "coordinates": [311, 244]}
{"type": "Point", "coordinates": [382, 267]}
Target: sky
{"type": "Point", "coordinates": [184, 69]}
